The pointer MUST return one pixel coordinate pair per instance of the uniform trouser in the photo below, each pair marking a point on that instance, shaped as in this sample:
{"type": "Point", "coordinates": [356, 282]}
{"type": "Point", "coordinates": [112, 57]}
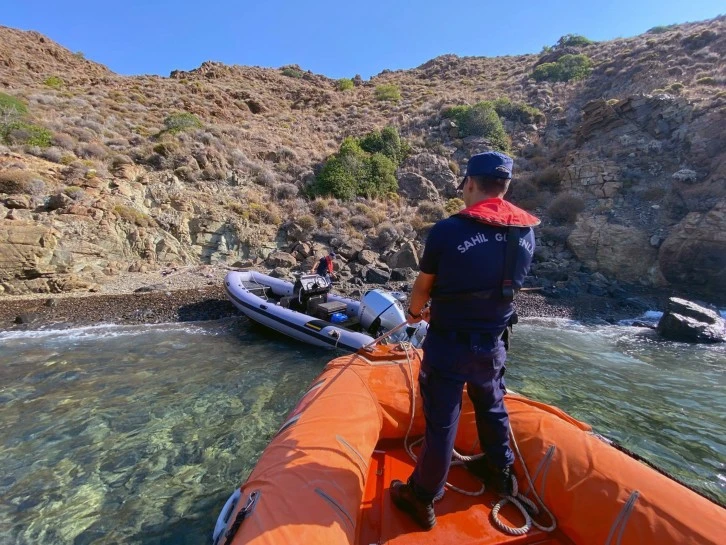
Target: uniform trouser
{"type": "Point", "coordinates": [450, 361]}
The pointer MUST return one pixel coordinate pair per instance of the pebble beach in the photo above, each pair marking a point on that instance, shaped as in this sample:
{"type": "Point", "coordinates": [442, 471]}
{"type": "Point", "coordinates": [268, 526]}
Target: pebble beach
{"type": "Point", "coordinates": [197, 294]}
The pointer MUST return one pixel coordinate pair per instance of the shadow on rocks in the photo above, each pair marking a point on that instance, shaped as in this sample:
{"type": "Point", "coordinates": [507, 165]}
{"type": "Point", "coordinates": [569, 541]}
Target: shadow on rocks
{"type": "Point", "coordinates": [210, 309]}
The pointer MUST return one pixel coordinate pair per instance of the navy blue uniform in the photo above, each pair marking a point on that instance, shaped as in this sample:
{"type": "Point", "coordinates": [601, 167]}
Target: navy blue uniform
{"type": "Point", "coordinates": [463, 345]}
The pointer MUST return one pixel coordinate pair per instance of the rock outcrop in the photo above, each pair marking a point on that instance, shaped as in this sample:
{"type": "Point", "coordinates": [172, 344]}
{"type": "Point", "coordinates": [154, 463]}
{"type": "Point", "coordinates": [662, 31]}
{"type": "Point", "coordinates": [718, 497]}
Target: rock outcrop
{"type": "Point", "coordinates": [620, 251]}
{"type": "Point", "coordinates": [695, 251]}
{"type": "Point", "coordinates": [686, 321]}
{"type": "Point", "coordinates": [109, 173]}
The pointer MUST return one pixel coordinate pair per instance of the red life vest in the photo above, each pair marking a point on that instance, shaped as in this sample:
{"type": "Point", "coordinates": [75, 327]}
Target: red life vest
{"type": "Point", "coordinates": [500, 213]}
{"type": "Point", "coordinates": [329, 261]}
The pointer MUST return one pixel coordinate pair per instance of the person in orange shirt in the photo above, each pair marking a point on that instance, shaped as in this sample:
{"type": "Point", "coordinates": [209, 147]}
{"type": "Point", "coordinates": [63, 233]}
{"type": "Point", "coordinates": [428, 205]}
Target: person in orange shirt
{"type": "Point", "coordinates": [324, 267]}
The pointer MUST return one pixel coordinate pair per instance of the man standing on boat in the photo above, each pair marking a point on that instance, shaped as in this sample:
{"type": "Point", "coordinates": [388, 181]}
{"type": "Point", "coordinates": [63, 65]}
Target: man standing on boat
{"type": "Point", "coordinates": [473, 264]}
{"type": "Point", "coordinates": [325, 266]}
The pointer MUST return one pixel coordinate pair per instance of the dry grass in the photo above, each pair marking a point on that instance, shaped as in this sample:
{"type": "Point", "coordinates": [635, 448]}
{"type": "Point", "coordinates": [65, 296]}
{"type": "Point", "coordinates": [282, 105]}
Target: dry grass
{"type": "Point", "coordinates": [266, 133]}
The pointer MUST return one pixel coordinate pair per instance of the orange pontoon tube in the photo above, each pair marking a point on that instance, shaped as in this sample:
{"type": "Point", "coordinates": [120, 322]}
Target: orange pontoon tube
{"type": "Point", "coordinates": [324, 478]}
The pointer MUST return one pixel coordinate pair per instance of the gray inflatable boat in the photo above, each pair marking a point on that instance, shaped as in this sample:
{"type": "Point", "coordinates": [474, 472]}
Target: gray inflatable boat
{"type": "Point", "coordinates": [307, 310]}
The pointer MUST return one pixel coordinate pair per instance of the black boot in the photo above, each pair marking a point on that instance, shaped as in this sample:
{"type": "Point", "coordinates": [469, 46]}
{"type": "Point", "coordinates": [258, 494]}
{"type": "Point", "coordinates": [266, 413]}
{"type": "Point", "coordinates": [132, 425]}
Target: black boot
{"type": "Point", "coordinates": [497, 479]}
{"type": "Point", "coordinates": [404, 498]}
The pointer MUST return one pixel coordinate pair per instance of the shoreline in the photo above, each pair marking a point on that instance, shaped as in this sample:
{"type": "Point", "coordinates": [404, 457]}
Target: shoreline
{"type": "Point", "coordinates": [198, 295]}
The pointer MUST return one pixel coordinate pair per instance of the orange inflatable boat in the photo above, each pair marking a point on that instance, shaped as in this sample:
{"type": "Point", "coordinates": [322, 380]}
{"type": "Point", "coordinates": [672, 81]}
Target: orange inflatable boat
{"type": "Point", "coordinates": [324, 478]}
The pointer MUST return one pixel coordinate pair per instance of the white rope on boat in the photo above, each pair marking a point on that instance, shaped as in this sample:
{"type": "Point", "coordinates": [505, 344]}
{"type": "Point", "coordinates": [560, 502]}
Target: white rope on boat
{"type": "Point", "coordinates": [622, 519]}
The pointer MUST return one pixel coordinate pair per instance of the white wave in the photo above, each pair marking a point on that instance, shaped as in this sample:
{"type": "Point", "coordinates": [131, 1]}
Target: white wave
{"type": "Point", "coordinates": [107, 331]}
{"type": "Point", "coordinates": [553, 321]}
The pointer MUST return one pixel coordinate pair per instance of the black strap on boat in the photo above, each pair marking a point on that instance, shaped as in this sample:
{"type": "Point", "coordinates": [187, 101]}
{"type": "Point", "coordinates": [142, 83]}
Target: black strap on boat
{"type": "Point", "coordinates": [507, 290]}
{"type": "Point", "coordinates": [242, 514]}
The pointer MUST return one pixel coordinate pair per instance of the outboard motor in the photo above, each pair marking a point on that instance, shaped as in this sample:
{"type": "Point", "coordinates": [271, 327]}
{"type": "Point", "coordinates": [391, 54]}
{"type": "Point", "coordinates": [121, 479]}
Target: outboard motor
{"type": "Point", "coordinates": [380, 312]}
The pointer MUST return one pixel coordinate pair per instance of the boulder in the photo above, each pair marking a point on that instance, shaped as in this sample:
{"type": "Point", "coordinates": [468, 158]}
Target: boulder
{"type": "Point", "coordinates": [367, 257]}
{"type": "Point", "coordinates": [435, 169]}
{"type": "Point", "coordinates": [685, 175]}
{"type": "Point", "coordinates": [376, 276]}
{"type": "Point", "coordinates": [403, 274]}
{"type": "Point", "coordinates": [355, 268]}
{"type": "Point", "coordinates": [349, 249]}
{"type": "Point", "coordinates": [295, 232]}
{"type": "Point", "coordinates": [59, 200]}
{"type": "Point", "coordinates": [549, 270]}
{"type": "Point", "coordinates": [281, 259]}
{"type": "Point", "coordinates": [686, 321]}
{"type": "Point", "coordinates": [18, 202]}
{"type": "Point", "coordinates": [280, 272]}
{"type": "Point", "coordinates": [405, 257]}
{"type": "Point", "coordinates": [417, 188]}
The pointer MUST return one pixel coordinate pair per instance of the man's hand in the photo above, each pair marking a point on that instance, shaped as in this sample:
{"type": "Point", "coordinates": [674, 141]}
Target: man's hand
{"type": "Point", "coordinates": [420, 294]}
{"type": "Point", "coordinates": [424, 315]}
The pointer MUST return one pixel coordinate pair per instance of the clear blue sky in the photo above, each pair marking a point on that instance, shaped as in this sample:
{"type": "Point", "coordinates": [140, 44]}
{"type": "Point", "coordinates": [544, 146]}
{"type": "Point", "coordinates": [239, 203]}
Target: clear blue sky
{"type": "Point", "coordinates": [337, 38]}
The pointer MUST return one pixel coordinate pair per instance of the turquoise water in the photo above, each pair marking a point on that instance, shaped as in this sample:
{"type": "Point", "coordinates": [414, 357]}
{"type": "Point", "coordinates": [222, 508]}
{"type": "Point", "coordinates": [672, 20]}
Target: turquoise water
{"type": "Point", "coordinates": [137, 435]}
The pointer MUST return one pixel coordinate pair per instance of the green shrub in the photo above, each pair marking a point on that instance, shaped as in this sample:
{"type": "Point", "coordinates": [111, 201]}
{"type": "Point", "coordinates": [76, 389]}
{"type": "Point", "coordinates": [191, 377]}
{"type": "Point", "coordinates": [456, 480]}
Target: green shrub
{"type": "Point", "coordinates": [699, 40]}
{"type": "Point", "coordinates": [11, 107]}
{"type": "Point", "coordinates": [340, 174]}
{"type": "Point", "coordinates": [74, 192]}
{"type": "Point", "coordinates": [54, 82]}
{"type": "Point", "coordinates": [345, 84]}
{"type": "Point", "coordinates": [431, 212]}
{"type": "Point", "coordinates": [481, 119]}
{"type": "Point", "coordinates": [363, 167]}
{"type": "Point", "coordinates": [573, 40]}
{"type": "Point", "coordinates": [567, 68]}
{"type": "Point", "coordinates": [388, 142]}
{"type": "Point", "coordinates": [453, 206]}
{"type": "Point", "coordinates": [292, 72]}
{"type": "Point", "coordinates": [167, 148]}
{"type": "Point", "coordinates": [15, 180]}
{"type": "Point", "coordinates": [548, 179]}
{"type": "Point", "coordinates": [525, 194]}
{"type": "Point", "coordinates": [388, 92]}
{"type": "Point", "coordinates": [565, 208]}
{"type": "Point", "coordinates": [675, 87]}
{"type": "Point", "coordinates": [707, 80]}
{"type": "Point", "coordinates": [132, 215]}
{"type": "Point", "coordinates": [379, 177]}
{"type": "Point", "coordinates": [181, 121]}
{"type": "Point", "coordinates": [307, 222]}
{"type": "Point", "coordinates": [20, 132]}
{"type": "Point", "coordinates": [517, 111]}
{"type": "Point", "coordinates": [255, 212]}
{"type": "Point", "coordinates": [660, 29]}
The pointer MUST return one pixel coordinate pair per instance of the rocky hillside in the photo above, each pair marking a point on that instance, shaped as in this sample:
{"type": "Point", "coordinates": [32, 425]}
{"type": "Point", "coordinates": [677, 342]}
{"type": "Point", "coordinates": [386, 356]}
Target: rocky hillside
{"type": "Point", "coordinates": [625, 163]}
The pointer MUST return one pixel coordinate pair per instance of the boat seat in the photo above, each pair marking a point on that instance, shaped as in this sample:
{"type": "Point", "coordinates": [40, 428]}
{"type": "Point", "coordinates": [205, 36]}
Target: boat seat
{"type": "Point", "coordinates": [325, 310]}
{"type": "Point", "coordinates": [256, 288]}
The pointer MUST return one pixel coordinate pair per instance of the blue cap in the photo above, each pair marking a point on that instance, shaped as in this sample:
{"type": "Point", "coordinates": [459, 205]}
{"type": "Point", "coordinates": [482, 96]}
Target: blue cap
{"type": "Point", "coordinates": [332, 254]}
{"type": "Point", "coordinates": [491, 163]}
